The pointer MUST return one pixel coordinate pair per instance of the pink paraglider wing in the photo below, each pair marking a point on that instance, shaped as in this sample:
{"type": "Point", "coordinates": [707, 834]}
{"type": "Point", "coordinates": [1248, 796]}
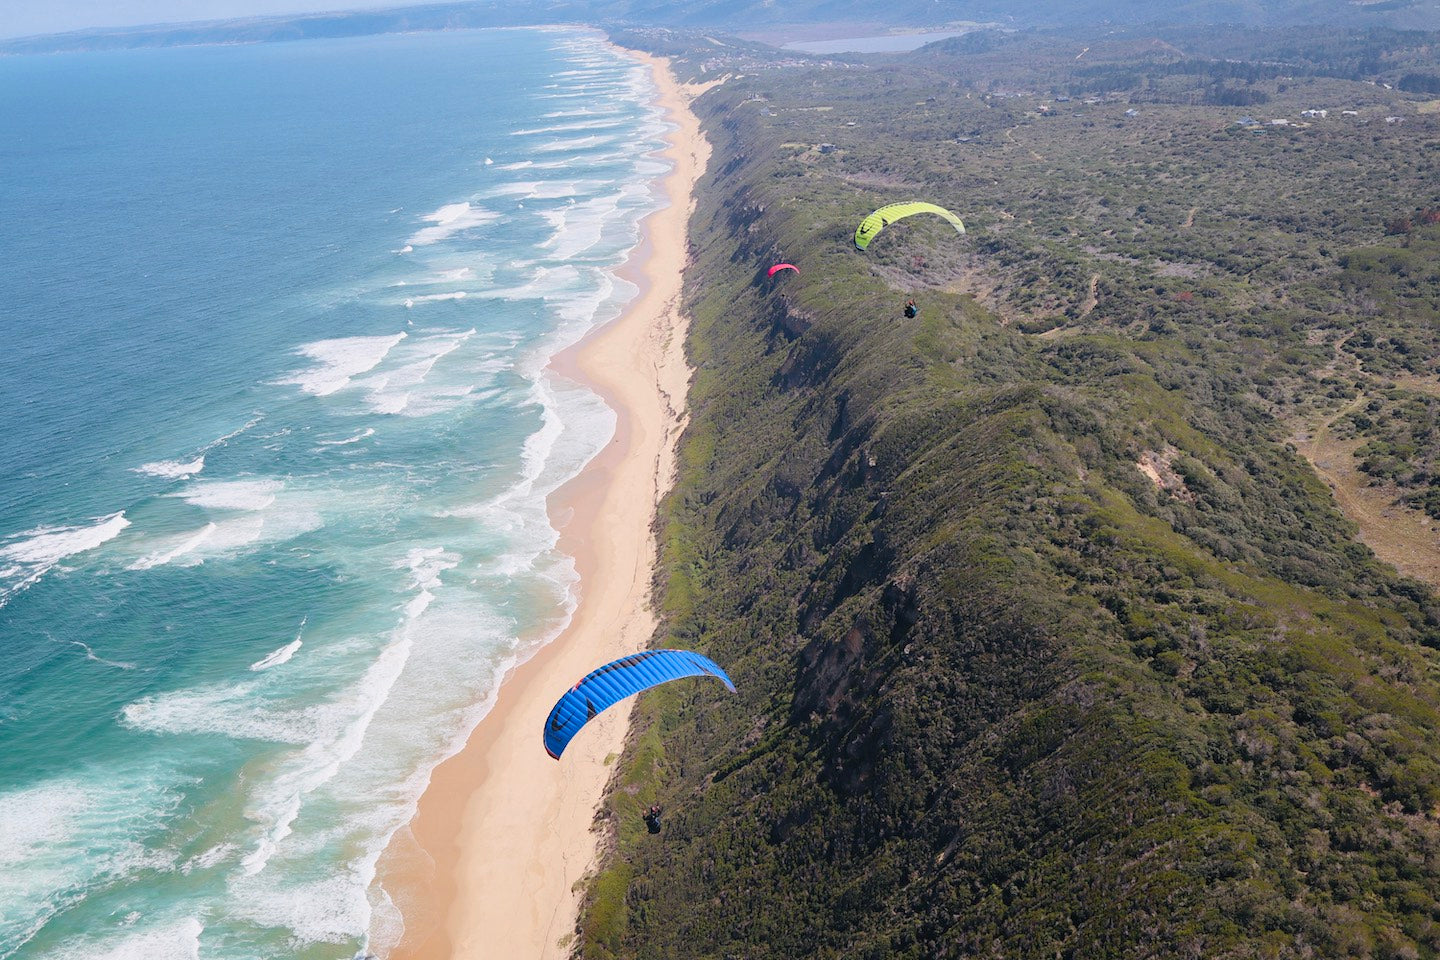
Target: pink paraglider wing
{"type": "Point", "coordinates": [782, 266]}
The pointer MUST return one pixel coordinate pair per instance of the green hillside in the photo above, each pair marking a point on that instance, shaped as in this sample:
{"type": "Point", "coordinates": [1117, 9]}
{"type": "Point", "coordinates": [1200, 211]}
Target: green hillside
{"type": "Point", "coordinates": [1048, 642]}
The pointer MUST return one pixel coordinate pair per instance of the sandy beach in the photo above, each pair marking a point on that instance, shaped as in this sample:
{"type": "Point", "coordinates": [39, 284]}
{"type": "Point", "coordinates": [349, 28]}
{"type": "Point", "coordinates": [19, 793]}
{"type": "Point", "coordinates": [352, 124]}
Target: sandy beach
{"type": "Point", "coordinates": [491, 865]}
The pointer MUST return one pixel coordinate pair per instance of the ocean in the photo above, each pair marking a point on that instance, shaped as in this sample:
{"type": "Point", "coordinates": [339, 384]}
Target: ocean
{"type": "Point", "coordinates": [276, 436]}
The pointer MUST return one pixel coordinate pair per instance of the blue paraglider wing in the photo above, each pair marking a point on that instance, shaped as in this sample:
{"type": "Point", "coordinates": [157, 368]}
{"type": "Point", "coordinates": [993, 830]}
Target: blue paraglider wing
{"type": "Point", "coordinates": [617, 680]}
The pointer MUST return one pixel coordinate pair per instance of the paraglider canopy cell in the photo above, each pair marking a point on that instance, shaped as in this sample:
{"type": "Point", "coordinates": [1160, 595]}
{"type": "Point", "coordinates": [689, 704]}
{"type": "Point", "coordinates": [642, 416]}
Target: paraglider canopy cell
{"type": "Point", "coordinates": [871, 226]}
{"type": "Point", "coordinates": [781, 266]}
{"type": "Point", "coordinates": [608, 685]}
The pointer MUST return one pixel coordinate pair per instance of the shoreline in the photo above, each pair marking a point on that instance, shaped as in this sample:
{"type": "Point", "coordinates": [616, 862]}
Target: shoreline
{"type": "Point", "coordinates": [492, 861]}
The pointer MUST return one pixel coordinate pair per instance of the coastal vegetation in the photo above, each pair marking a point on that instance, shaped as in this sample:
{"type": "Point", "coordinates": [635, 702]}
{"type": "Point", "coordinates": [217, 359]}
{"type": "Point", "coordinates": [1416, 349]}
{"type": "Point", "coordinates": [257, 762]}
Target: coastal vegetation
{"type": "Point", "coordinates": [1048, 641]}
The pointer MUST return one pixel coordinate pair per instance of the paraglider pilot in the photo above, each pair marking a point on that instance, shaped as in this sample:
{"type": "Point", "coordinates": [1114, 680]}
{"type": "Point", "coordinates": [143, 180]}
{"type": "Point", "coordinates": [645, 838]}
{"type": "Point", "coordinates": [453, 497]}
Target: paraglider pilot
{"type": "Point", "coordinates": [652, 819]}
{"type": "Point", "coordinates": [911, 310]}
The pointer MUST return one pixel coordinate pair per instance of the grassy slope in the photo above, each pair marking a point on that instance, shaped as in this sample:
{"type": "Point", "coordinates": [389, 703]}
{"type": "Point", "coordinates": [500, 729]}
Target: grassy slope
{"type": "Point", "coordinates": [1000, 693]}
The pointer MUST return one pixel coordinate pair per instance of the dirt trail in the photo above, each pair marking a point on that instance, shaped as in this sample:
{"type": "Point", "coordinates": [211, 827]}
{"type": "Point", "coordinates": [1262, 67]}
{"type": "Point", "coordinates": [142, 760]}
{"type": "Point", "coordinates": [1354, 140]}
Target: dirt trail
{"type": "Point", "coordinates": [1010, 135]}
{"type": "Point", "coordinates": [1093, 299]}
{"type": "Point", "coordinates": [1402, 536]}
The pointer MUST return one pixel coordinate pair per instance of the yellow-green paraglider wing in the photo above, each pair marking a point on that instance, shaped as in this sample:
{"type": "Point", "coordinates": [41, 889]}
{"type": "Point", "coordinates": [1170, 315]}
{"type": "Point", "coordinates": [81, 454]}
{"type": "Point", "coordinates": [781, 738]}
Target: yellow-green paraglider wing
{"type": "Point", "coordinates": [888, 214]}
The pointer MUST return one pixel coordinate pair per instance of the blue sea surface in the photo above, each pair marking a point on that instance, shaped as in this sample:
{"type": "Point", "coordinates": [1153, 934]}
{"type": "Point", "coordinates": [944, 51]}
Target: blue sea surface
{"type": "Point", "coordinates": [276, 436]}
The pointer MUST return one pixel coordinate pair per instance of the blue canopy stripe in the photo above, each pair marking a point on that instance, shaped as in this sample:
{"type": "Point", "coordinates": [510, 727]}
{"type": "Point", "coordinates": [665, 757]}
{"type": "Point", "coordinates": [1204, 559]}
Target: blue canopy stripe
{"type": "Point", "coordinates": [608, 685]}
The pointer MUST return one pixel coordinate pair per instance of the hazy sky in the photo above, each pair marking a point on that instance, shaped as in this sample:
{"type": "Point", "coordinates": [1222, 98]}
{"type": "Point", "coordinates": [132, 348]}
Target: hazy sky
{"type": "Point", "coordinates": [19, 18]}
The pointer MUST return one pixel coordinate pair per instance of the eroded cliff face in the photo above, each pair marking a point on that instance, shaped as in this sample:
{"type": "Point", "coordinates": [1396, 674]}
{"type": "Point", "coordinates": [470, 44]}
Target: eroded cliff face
{"type": "Point", "coordinates": [999, 693]}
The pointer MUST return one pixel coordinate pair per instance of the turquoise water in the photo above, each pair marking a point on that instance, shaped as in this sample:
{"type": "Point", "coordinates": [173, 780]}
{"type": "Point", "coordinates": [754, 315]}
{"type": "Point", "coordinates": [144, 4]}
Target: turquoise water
{"type": "Point", "coordinates": [275, 439]}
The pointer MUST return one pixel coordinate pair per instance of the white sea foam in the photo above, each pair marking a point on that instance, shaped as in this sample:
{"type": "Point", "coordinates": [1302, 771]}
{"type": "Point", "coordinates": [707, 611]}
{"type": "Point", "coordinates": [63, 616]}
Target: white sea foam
{"type": "Point", "coordinates": [392, 390]}
{"type": "Point", "coordinates": [35, 819]}
{"type": "Point", "coordinates": [580, 161]}
{"type": "Point", "coordinates": [363, 434]}
{"type": "Point", "coordinates": [581, 311]}
{"type": "Point", "coordinates": [175, 549]}
{"type": "Point", "coordinates": [213, 857]}
{"type": "Point", "coordinates": [548, 189]}
{"type": "Point", "coordinates": [179, 469]}
{"type": "Point", "coordinates": [546, 282]}
{"type": "Point", "coordinates": [288, 520]}
{"type": "Point", "coordinates": [580, 227]}
{"type": "Point", "coordinates": [450, 220]}
{"type": "Point", "coordinates": [576, 144]}
{"type": "Point", "coordinates": [333, 910]}
{"type": "Point", "coordinates": [447, 684]}
{"type": "Point", "coordinates": [582, 431]}
{"type": "Point", "coordinates": [538, 445]}
{"type": "Point", "coordinates": [170, 941]}
{"type": "Point", "coordinates": [26, 557]}
{"type": "Point", "coordinates": [276, 657]}
{"type": "Point", "coordinates": [172, 469]}
{"type": "Point", "coordinates": [426, 564]}
{"type": "Point", "coordinates": [221, 441]}
{"type": "Point", "coordinates": [435, 297]}
{"type": "Point", "coordinates": [326, 735]}
{"type": "Point", "coordinates": [254, 494]}
{"type": "Point", "coordinates": [323, 758]}
{"type": "Point", "coordinates": [602, 85]}
{"type": "Point", "coordinates": [46, 546]}
{"type": "Point", "coordinates": [595, 124]}
{"type": "Point", "coordinates": [338, 360]}
{"type": "Point", "coordinates": [581, 112]}
{"type": "Point", "coordinates": [520, 188]}
{"type": "Point", "coordinates": [234, 536]}
{"type": "Point", "coordinates": [251, 512]}
{"type": "Point", "coordinates": [454, 276]}
{"type": "Point", "coordinates": [237, 711]}
{"type": "Point", "coordinates": [60, 837]}
{"type": "Point", "coordinates": [91, 655]}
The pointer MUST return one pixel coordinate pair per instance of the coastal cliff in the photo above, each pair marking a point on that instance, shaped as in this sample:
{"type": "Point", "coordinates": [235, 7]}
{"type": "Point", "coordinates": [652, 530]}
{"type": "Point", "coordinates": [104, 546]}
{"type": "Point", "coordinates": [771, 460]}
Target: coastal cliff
{"type": "Point", "coordinates": [1048, 643]}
